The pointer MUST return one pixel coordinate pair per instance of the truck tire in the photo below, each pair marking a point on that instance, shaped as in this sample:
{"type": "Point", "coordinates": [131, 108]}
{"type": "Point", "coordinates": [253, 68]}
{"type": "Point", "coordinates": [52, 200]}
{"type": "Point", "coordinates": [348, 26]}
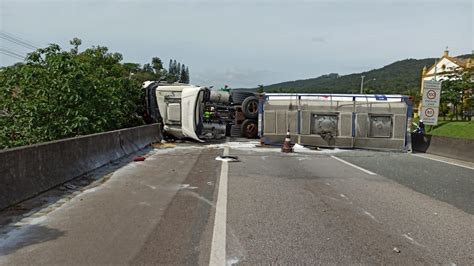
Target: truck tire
{"type": "Point", "coordinates": [235, 131]}
{"type": "Point", "coordinates": [249, 129]}
{"type": "Point", "coordinates": [250, 107]}
{"type": "Point", "coordinates": [239, 96]}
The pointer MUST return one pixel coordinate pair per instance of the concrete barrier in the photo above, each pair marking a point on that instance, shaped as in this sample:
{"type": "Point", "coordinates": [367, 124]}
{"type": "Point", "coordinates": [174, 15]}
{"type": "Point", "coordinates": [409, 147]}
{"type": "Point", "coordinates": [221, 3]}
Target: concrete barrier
{"type": "Point", "coordinates": [30, 170]}
{"type": "Point", "coordinates": [462, 149]}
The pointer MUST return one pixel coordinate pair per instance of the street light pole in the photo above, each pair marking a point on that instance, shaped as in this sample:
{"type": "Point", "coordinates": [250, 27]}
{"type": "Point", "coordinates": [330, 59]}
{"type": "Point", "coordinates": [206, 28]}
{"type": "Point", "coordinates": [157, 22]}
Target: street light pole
{"type": "Point", "coordinates": [362, 83]}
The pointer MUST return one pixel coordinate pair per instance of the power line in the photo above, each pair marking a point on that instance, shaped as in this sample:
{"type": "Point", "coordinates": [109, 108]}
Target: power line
{"type": "Point", "coordinates": [11, 54]}
{"type": "Point", "coordinates": [17, 41]}
{"type": "Point", "coordinates": [19, 38]}
{"type": "Point", "coordinates": [13, 50]}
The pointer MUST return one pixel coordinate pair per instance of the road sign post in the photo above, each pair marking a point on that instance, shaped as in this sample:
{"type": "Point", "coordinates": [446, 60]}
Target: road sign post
{"type": "Point", "coordinates": [430, 102]}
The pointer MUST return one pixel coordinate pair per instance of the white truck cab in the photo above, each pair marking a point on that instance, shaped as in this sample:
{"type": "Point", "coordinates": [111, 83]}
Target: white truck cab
{"type": "Point", "coordinates": [181, 108]}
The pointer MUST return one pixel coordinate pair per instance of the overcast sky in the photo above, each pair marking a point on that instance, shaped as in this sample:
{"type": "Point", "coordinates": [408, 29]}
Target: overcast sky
{"type": "Point", "coordinates": [244, 43]}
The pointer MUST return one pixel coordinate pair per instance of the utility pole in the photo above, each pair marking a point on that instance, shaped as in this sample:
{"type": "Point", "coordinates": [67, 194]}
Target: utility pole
{"type": "Point", "coordinates": [362, 84]}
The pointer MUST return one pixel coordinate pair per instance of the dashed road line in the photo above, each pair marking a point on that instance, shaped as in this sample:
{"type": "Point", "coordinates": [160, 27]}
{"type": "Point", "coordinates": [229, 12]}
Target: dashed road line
{"type": "Point", "coordinates": [353, 165]}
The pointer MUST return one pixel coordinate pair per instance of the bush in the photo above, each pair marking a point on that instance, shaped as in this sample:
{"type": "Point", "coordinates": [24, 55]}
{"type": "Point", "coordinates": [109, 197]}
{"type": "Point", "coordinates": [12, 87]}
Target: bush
{"type": "Point", "coordinates": [57, 94]}
{"type": "Point", "coordinates": [451, 115]}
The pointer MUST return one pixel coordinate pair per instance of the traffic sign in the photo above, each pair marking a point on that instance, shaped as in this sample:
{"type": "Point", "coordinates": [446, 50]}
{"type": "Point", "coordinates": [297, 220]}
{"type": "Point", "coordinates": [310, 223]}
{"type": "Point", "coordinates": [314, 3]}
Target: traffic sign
{"type": "Point", "coordinates": [431, 93]}
{"type": "Point", "coordinates": [429, 112]}
{"type": "Point", "coordinates": [429, 115]}
{"type": "Point", "coordinates": [430, 102]}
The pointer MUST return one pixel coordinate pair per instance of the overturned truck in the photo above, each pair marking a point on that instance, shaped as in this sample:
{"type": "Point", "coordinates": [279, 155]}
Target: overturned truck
{"type": "Point", "coordinates": [323, 120]}
{"type": "Point", "coordinates": [187, 111]}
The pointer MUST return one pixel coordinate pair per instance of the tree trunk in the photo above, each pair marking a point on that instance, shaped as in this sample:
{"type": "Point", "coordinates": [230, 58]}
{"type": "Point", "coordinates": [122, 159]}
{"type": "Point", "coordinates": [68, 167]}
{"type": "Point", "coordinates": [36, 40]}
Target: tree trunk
{"type": "Point", "coordinates": [456, 111]}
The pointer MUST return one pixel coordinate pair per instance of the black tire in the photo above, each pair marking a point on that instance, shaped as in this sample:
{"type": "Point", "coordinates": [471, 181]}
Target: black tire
{"type": "Point", "coordinates": [249, 129]}
{"type": "Point", "coordinates": [239, 96]}
{"type": "Point", "coordinates": [235, 131]}
{"type": "Point", "coordinates": [250, 107]}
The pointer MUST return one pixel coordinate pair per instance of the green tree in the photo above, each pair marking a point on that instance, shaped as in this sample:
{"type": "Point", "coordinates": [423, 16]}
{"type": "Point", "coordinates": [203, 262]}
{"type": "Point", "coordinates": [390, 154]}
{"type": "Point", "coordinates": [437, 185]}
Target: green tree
{"type": "Point", "coordinates": [457, 90]}
{"type": "Point", "coordinates": [157, 67]}
{"type": "Point", "coordinates": [170, 67]}
{"type": "Point", "coordinates": [58, 94]}
{"type": "Point", "coordinates": [182, 76]}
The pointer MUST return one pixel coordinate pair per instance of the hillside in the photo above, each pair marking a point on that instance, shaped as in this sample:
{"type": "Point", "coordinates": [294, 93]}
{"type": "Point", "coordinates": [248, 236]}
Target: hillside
{"type": "Point", "coordinates": [400, 77]}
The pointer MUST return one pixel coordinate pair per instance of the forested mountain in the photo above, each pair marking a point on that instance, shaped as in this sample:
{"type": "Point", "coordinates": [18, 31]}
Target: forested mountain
{"type": "Point", "coordinates": [400, 77]}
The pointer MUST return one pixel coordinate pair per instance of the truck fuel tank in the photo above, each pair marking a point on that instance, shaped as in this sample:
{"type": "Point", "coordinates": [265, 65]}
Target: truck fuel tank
{"type": "Point", "coordinates": [222, 97]}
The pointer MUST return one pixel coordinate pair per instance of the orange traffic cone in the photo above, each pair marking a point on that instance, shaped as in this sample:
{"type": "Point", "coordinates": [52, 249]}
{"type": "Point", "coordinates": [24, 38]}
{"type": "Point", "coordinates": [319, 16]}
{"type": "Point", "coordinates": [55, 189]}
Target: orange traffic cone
{"type": "Point", "coordinates": [286, 147]}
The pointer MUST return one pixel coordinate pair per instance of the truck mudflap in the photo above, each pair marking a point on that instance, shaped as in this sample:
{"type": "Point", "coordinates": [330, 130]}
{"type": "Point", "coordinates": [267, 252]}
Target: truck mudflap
{"type": "Point", "coordinates": [191, 99]}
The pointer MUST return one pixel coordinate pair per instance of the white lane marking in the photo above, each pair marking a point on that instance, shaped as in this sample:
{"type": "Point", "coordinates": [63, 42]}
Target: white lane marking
{"type": "Point", "coordinates": [438, 160]}
{"type": "Point", "coordinates": [218, 247]}
{"type": "Point", "coordinates": [353, 165]}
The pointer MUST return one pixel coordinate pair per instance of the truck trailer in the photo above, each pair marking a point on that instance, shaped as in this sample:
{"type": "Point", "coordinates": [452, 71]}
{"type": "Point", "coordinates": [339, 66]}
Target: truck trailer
{"type": "Point", "coordinates": [323, 120]}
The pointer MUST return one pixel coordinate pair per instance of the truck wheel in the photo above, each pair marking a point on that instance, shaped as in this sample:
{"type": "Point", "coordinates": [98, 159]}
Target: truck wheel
{"type": "Point", "coordinates": [250, 107]}
{"type": "Point", "coordinates": [249, 129]}
{"type": "Point", "coordinates": [239, 96]}
{"type": "Point", "coordinates": [235, 131]}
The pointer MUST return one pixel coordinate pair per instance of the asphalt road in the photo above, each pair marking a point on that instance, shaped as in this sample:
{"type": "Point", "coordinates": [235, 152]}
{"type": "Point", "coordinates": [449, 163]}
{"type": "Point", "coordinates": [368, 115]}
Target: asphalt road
{"type": "Point", "coordinates": [312, 207]}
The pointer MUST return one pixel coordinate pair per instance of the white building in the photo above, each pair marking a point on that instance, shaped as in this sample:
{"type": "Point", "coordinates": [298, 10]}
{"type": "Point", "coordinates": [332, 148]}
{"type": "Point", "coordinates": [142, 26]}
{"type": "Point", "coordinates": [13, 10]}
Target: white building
{"type": "Point", "coordinates": [444, 68]}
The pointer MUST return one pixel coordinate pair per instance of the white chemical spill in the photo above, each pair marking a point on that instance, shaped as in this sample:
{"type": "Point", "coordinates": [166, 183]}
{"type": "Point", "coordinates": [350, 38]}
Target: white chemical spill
{"type": "Point", "coordinates": [235, 250]}
{"type": "Point", "coordinates": [186, 186]}
{"type": "Point", "coordinates": [152, 187]}
{"type": "Point", "coordinates": [300, 148]}
{"type": "Point", "coordinates": [232, 261]}
{"type": "Point", "coordinates": [251, 146]}
{"type": "Point", "coordinates": [194, 194]}
{"type": "Point", "coordinates": [370, 215]}
{"type": "Point", "coordinates": [412, 240]}
{"type": "Point", "coordinates": [344, 196]}
{"type": "Point", "coordinates": [331, 198]}
{"type": "Point", "coordinates": [30, 221]}
{"type": "Point", "coordinates": [91, 190]}
{"type": "Point", "coordinates": [227, 158]}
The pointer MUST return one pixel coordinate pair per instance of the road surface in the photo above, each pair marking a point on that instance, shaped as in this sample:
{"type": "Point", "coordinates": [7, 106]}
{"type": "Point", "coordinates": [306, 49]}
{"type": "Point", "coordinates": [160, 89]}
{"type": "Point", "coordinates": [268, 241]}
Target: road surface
{"type": "Point", "coordinates": [182, 206]}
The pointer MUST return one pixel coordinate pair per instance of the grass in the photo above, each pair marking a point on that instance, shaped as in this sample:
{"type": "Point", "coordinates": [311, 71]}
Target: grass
{"type": "Point", "coordinates": [455, 129]}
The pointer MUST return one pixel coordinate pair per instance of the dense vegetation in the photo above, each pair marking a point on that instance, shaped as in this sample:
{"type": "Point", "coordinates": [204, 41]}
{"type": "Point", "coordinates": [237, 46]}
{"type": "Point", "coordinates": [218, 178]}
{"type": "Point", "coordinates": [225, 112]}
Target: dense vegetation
{"type": "Point", "coordinates": [56, 93]}
{"type": "Point", "coordinates": [456, 95]}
